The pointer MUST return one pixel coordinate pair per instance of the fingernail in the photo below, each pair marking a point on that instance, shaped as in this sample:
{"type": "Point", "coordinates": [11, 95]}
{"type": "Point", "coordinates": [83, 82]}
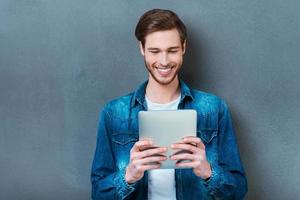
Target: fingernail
{"type": "Point", "coordinates": [172, 145]}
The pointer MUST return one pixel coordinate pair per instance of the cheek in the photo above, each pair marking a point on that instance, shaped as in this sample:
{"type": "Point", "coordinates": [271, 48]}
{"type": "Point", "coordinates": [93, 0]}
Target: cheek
{"type": "Point", "coordinates": [150, 59]}
{"type": "Point", "coordinates": [176, 58]}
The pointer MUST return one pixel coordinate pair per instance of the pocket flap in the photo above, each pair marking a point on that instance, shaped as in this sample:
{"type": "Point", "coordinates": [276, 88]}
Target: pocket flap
{"type": "Point", "coordinates": [207, 135]}
{"type": "Point", "coordinates": [124, 138]}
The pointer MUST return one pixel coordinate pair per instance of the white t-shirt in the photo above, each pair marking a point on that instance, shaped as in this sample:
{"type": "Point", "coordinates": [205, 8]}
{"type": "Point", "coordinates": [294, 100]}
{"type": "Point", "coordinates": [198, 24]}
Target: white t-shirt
{"type": "Point", "coordinates": [161, 182]}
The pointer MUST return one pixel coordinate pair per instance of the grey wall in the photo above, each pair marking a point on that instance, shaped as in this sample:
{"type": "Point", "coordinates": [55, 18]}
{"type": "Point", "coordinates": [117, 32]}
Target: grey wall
{"type": "Point", "coordinates": [61, 60]}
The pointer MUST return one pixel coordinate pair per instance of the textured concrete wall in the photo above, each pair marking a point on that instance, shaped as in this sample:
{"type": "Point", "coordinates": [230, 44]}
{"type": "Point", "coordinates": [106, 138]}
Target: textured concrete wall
{"type": "Point", "coordinates": [61, 60]}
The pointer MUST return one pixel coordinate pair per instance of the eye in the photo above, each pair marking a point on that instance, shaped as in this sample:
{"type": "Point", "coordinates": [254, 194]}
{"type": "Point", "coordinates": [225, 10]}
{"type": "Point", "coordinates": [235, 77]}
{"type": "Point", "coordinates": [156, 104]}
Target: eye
{"type": "Point", "coordinates": [154, 52]}
{"type": "Point", "coordinates": [173, 51]}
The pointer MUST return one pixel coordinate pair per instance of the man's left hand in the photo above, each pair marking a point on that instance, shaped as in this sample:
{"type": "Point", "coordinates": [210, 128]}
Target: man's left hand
{"type": "Point", "coordinates": [194, 152]}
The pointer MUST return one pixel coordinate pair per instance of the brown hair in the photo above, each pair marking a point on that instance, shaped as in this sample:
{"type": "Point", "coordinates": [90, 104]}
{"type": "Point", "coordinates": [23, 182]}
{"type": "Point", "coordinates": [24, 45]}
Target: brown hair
{"type": "Point", "coordinates": [159, 20]}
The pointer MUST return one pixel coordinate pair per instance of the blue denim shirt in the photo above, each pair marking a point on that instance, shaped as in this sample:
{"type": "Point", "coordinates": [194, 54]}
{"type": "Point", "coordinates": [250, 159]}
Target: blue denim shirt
{"type": "Point", "coordinates": [118, 131]}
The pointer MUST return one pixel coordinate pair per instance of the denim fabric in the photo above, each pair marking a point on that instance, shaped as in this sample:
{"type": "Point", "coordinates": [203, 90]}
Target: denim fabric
{"type": "Point", "coordinates": [118, 131]}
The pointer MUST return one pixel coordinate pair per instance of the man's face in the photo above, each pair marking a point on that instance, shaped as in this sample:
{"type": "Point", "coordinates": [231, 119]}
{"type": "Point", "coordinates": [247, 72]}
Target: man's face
{"type": "Point", "coordinates": [163, 55]}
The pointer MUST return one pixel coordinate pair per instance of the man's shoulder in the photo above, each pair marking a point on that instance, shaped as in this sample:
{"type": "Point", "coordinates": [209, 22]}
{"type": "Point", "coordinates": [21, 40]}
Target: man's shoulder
{"type": "Point", "coordinates": [207, 101]}
{"type": "Point", "coordinates": [121, 102]}
{"type": "Point", "coordinates": [205, 97]}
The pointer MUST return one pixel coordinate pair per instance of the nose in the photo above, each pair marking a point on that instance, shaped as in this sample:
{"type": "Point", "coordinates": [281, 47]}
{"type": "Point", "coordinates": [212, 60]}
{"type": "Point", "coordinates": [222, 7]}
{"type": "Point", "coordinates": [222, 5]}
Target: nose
{"type": "Point", "coordinates": [163, 60]}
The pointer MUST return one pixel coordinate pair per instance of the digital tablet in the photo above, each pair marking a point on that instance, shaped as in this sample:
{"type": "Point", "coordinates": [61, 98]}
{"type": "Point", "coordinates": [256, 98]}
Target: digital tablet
{"type": "Point", "coordinates": [166, 128]}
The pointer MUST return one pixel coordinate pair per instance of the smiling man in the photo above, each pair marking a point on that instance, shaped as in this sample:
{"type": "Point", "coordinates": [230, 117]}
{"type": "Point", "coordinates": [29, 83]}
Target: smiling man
{"type": "Point", "coordinates": [125, 167]}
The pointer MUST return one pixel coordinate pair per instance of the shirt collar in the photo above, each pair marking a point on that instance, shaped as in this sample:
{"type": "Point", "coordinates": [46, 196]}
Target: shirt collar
{"type": "Point", "coordinates": [139, 94]}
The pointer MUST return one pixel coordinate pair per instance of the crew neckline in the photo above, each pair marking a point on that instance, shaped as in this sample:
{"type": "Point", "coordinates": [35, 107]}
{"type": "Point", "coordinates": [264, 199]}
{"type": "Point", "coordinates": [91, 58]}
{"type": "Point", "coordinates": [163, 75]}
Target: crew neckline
{"type": "Point", "coordinates": [163, 104]}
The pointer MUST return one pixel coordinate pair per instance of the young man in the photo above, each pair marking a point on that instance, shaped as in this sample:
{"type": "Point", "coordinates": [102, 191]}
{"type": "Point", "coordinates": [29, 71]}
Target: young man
{"type": "Point", "coordinates": [125, 168]}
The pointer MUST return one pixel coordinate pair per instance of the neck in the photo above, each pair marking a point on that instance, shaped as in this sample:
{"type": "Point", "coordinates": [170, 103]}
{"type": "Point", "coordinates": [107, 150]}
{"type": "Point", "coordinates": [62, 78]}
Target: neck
{"type": "Point", "coordinates": [159, 93]}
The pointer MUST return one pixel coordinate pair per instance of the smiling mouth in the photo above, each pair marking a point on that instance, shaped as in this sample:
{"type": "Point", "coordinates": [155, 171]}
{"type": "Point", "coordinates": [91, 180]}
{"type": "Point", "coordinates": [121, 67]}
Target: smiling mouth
{"type": "Point", "coordinates": [164, 69]}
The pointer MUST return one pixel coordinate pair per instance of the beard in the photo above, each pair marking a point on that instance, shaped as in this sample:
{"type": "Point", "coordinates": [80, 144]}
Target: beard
{"type": "Point", "coordinates": [152, 69]}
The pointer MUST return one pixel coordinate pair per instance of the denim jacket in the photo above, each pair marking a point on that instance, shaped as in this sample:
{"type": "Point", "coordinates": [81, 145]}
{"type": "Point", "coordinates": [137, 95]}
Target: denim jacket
{"type": "Point", "coordinates": [118, 131]}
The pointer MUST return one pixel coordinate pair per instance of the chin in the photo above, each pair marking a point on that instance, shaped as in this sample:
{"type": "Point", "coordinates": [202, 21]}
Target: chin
{"type": "Point", "coordinates": [164, 80]}
{"type": "Point", "coordinates": [161, 79]}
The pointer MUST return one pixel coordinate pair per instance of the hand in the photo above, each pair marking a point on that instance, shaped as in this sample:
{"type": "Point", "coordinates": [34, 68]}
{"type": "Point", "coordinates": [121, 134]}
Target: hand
{"type": "Point", "coordinates": [143, 156]}
{"type": "Point", "coordinates": [195, 154]}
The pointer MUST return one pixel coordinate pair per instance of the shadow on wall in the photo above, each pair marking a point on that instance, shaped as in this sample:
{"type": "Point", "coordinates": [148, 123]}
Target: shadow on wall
{"type": "Point", "coordinates": [197, 72]}
{"type": "Point", "coordinates": [193, 71]}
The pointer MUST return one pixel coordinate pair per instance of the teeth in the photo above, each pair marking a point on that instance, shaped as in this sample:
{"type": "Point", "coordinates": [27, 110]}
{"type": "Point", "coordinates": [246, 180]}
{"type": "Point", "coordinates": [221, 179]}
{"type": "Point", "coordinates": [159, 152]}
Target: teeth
{"type": "Point", "coordinates": [164, 69]}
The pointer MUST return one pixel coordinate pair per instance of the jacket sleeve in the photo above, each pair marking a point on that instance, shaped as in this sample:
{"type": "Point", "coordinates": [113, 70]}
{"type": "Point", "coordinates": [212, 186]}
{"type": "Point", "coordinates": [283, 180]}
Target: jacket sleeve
{"type": "Point", "coordinates": [107, 181]}
{"type": "Point", "coordinates": [228, 180]}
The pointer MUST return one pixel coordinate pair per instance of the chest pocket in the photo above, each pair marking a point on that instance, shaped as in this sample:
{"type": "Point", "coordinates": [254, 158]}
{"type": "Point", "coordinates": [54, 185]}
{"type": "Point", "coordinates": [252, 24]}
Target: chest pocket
{"type": "Point", "coordinates": [210, 140]}
{"type": "Point", "coordinates": [124, 139]}
{"type": "Point", "coordinates": [207, 136]}
{"type": "Point", "coordinates": [121, 145]}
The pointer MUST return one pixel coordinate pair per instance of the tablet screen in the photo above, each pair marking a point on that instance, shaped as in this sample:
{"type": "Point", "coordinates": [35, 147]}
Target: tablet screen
{"type": "Point", "coordinates": [166, 128]}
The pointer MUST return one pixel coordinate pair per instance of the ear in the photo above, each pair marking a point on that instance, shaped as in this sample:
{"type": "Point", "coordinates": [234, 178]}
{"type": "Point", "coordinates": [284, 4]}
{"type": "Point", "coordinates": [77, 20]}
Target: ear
{"type": "Point", "coordinates": [141, 48]}
{"type": "Point", "coordinates": [183, 47]}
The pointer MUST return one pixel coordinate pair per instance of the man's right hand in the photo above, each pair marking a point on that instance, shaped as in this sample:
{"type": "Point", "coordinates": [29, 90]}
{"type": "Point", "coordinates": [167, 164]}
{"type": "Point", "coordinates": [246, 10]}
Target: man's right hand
{"type": "Point", "coordinates": [143, 156]}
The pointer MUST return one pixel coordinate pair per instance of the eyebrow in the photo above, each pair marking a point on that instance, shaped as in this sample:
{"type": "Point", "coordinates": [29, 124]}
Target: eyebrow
{"type": "Point", "coordinates": [170, 48]}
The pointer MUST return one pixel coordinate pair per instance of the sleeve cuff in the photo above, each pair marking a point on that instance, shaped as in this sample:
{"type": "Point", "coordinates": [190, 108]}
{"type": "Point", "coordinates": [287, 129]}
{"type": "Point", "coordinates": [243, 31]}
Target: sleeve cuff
{"type": "Point", "coordinates": [124, 189]}
{"type": "Point", "coordinates": [214, 181]}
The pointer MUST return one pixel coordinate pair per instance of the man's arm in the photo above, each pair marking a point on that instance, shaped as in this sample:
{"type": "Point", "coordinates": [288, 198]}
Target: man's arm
{"type": "Point", "coordinates": [228, 180]}
{"type": "Point", "coordinates": [107, 181]}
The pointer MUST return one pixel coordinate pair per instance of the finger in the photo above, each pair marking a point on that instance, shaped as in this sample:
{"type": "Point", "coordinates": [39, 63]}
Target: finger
{"type": "Point", "coordinates": [195, 140]}
{"type": "Point", "coordinates": [187, 156]}
{"type": "Point", "coordinates": [144, 141]}
{"type": "Point", "coordinates": [149, 160]}
{"type": "Point", "coordinates": [143, 148]}
{"type": "Point", "coordinates": [150, 152]}
{"type": "Point", "coordinates": [191, 164]}
{"type": "Point", "coordinates": [139, 144]}
{"type": "Point", "coordinates": [181, 152]}
{"type": "Point", "coordinates": [147, 167]}
{"type": "Point", "coordinates": [187, 147]}
{"type": "Point", "coordinates": [192, 138]}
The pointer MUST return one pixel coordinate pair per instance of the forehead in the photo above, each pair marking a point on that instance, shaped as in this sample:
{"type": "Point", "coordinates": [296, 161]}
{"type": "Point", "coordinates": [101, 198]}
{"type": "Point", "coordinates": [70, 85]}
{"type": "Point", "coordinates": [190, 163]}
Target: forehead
{"type": "Point", "coordinates": [163, 39]}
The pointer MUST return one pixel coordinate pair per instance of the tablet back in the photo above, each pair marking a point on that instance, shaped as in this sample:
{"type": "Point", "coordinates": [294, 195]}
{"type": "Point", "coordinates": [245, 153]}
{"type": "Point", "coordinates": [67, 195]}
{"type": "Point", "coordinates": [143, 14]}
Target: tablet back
{"type": "Point", "coordinates": [167, 127]}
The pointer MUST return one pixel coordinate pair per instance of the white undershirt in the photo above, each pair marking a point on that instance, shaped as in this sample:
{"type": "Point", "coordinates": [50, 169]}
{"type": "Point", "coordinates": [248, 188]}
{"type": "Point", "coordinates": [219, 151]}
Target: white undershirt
{"type": "Point", "coordinates": [161, 182]}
